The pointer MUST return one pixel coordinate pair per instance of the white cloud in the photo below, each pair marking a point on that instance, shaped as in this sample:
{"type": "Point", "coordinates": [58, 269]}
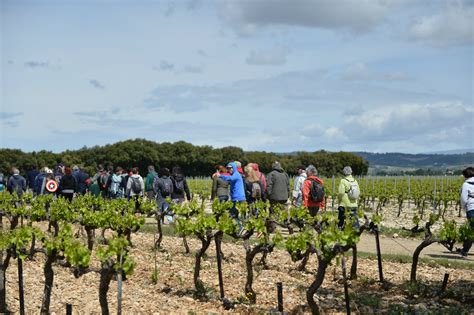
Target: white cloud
{"type": "Point", "coordinates": [453, 26]}
{"type": "Point", "coordinates": [352, 15]}
{"type": "Point", "coordinates": [409, 121]}
{"type": "Point", "coordinates": [193, 69]}
{"type": "Point", "coordinates": [356, 71]}
{"type": "Point", "coordinates": [272, 57]}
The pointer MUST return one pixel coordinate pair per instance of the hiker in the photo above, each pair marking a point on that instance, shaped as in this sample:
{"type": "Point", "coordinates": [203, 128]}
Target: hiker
{"type": "Point", "coordinates": [297, 192]}
{"type": "Point", "coordinates": [313, 191]}
{"type": "Point", "coordinates": [348, 194]}
{"type": "Point", "coordinates": [59, 172]}
{"type": "Point", "coordinates": [467, 203]}
{"type": "Point", "coordinates": [40, 182]}
{"type": "Point", "coordinates": [116, 189]}
{"type": "Point", "coordinates": [150, 177]}
{"type": "Point", "coordinates": [239, 168]}
{"type": "Point", "coordinates": [30, 177]}
{"type": "Point", "coordinates": [81, 179]}
{"type": "Point", "coordinates": [163, 188]}
{"type": "Point", "coordinates": [68, 184]}
{"type": "Point", "coordinates": [260, 175]}
{"type": "Point", "coordinates": [237, 192]}
{"type": "Point", "coordinates": [181, 187]}
{"type": "Point", "coordinates": [254, 190]}
{"type": "Point", "coordinates": [101, 178]}
{"type": "Point", "coordinates": [135, 185]}
{"type": "Point", "coordinates": [16, 183]}
{"type": "Point", "coordinates": [220, 187]}
{"type": "Point", "coordinates": [3, 182]}
{"type": "Point", "coordinates": [278, 186]}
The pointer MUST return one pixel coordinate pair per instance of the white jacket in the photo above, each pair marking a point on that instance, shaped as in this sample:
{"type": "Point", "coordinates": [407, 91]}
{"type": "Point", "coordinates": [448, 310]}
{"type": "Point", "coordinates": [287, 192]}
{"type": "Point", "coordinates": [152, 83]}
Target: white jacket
{"type": "Point", "coordinates": [467, 194]}
{"type": "Point", "coordinates": [298, 186]}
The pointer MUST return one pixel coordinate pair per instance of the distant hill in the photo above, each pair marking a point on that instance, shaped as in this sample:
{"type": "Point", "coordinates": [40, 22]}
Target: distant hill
{"type": "Point", "coordinates": [417, 160]}
{"type": "Point", "coordinates": [458, 151]}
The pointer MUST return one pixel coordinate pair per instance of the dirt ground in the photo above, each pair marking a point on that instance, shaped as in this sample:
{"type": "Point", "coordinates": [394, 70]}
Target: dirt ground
{"type": "Point", "coordinates": [174, 290]}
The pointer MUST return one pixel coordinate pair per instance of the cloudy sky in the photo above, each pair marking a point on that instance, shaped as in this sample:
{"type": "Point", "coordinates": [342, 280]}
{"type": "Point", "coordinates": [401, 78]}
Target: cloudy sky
{"type": "Point", "coordinates": [281, 75]}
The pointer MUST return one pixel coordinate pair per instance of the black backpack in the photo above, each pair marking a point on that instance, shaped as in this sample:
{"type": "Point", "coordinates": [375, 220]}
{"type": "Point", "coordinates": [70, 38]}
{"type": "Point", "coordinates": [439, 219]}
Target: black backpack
{"type": "Point", "coordinates": [316, 191]}
{"type": "Point", "coordinates": [179, 186]}
{"type": "Point", "coordinates": [136, 186]}
{"type": "Point", "coordinates": [167, 187]}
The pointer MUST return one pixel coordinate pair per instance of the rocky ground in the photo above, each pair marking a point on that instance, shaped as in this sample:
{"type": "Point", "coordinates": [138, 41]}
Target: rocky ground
{"type": "Point", "coordinates": [174, 290]}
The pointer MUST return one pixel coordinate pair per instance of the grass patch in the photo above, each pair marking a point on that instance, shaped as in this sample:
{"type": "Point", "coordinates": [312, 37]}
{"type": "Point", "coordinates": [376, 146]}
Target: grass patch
{"type": "Point", "coordinates": [371, 300]}
{"type": "Point", "coordinates": [389, 231]}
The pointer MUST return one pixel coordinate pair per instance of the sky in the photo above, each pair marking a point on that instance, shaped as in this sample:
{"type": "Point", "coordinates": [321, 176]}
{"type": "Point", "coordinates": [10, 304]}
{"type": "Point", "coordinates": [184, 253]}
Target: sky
{"type": "Point", "coordinates": [280, 75]}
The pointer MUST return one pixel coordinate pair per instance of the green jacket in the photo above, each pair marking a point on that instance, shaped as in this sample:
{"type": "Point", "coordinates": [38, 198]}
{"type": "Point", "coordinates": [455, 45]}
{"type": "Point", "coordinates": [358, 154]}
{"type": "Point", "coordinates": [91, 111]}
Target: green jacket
{"type": "Point", "coordinates": [342, 197]}
{"type": "Point", "coordinates": [149, 181]}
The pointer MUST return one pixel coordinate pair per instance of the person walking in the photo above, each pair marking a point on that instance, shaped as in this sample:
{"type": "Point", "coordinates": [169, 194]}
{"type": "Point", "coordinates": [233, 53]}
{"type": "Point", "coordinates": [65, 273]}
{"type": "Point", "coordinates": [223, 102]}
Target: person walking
{"type": "Point", "coordinates": [16, 183]}
{"type": "Point", "coordinates": [150, 177]}
{"type": "Point", "coordinates": [40, 181]}
{"type": "Point", "coordinates": [135, 187]}
{"type": "Point", "coordinates": [237, 191]}
{"type": "Point", "coordinates": [181, 188]}
{"type": "Point", "coordinates": [68, 184]}
{"type": "Point", "coordinates": [3, 182]}
{"type": "Point", "coordinates": [467, 203]}
{"type": "Point", "coordinates": [348, 195]}
{"type": "Point", "coordinates": [254, 190]}
{"type": "Point", "coordinates": [81, 179]}
{"type": "Point", "coordinates": [297, 192]}
{"type": "Point", "coordinates": [30, 177]}
{"type": "Point", "coordinates": [163, 188]}
{"type": "Point", "coordinates": [260, 175]}
{"type": "Point", "coordinates": [115, 186]}
{"type": "Point", "coordinates": [278, 186]}
{"type": "Point", "coordinates": [220, 187]}
{"type": "Point", "coordinates": [313, 191]}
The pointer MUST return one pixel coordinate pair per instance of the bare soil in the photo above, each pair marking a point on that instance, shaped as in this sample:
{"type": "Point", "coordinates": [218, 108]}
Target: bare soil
{"type": "Point", "coordinates": [174, 291]}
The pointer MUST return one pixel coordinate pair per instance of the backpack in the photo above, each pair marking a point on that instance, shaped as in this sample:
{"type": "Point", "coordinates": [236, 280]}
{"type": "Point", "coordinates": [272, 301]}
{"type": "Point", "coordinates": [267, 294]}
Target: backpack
{"type": "Point", "coordinates": [2, 185]}
{"type": "Point", "coordinates": [16, 186]}
{"type": "Point", "coordinates": [469, 193]}
{"type": "Point", "coordinates": [316, 191]}
{"type": "Point", "coordinates": [68, 182]}
{"type": "Point", "coordinates": [167, 187]}
{"type": "Point", "coordinates": [103, 179]}
{"type": "Point", "coordinates": [354, 191]}
{"type": "Point", "coordinates": [179, 186]}
{"type": "Point", "coordinates": [115, 183]}
{"type": "Point", "coordinates": [136, 186]}
{"type": "Point", "coordinates": [256, 190]}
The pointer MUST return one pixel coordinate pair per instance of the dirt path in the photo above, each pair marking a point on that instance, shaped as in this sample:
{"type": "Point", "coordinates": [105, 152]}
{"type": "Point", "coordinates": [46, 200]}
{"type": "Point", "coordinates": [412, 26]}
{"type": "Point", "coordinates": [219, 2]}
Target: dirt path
{"type": "Point", "coordinates": [404, 246]}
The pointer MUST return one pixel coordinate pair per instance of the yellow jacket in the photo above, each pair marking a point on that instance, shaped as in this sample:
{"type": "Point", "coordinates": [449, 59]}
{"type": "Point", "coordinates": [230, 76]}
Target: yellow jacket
{"type": "Point", "coordinates": [342, 197]}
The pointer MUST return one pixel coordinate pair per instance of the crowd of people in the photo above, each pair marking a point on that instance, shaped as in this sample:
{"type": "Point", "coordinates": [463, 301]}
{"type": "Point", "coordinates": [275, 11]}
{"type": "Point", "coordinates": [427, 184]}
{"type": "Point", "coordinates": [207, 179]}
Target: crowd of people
{"type": "Point", "coordinates": [230, 182]}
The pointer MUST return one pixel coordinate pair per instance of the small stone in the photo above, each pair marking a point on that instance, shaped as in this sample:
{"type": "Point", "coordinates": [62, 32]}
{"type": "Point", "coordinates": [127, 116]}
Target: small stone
{"type": "Point", "coordinates": [395, 235]}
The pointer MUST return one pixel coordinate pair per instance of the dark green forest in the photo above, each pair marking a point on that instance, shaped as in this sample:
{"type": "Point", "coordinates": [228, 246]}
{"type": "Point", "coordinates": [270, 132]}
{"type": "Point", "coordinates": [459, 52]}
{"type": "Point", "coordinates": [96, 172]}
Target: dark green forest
{"type": "Point", "coordinates": [195, 160]}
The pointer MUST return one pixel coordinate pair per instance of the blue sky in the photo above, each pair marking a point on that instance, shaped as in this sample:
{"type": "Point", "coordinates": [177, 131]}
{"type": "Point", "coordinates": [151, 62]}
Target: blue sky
{"type": "Point", "coordinates": [281, 75]}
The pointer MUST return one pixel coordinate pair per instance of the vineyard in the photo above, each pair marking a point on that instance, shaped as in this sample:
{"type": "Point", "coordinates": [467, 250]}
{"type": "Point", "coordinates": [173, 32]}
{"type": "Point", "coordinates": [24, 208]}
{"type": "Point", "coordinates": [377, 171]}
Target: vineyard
{"type": "Point", "coordinates": [95, 255]}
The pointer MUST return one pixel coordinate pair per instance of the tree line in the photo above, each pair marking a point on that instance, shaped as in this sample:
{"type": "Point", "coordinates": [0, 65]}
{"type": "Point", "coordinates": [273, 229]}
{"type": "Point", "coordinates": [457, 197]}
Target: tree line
{"type": "Point", "coordinates": [195, 160]}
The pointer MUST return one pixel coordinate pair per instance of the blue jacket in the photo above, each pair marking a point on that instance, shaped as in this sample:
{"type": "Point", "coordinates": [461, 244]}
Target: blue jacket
{"type": "Point", "coordinates": [81, 178]}
{"type": "Point", "coordinates": [237, 191]}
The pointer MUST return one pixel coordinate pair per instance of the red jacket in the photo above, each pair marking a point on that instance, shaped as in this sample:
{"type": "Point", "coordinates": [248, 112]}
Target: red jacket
{"type": "Point", "coordinates": [306, 197]}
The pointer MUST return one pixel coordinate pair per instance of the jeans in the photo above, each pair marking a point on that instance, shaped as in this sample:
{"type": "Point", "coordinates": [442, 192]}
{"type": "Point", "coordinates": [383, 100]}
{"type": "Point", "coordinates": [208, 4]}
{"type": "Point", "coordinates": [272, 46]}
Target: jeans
{"type": "Point", "coordinates": [468, 243]}
{"type": "Point", "coordinates": [342, 216]}
{"type": "Point", "coordinates": [234, 213]}
{"type": "Point", "coordinates": [164, 208]}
